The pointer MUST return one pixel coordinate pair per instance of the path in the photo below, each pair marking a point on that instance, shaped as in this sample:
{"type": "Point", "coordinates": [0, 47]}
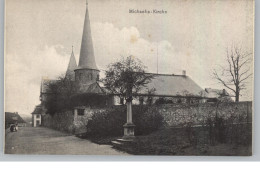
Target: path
{"type": "Point", "coordinates": [40, 140]}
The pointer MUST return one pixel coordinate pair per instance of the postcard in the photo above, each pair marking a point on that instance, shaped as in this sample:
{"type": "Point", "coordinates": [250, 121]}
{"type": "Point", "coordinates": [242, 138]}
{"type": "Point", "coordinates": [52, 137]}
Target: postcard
{"type": "Point", "coordinates": [134, 77]}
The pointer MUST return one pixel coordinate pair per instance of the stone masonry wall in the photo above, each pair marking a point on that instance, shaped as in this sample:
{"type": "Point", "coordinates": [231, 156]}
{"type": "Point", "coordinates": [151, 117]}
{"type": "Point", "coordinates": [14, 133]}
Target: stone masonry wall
{"type": "Point", "coordinates": [81, 121]}
{"type": "Point", "coordinates": [174, 115]}
{"type": "Point", "coordinates": [198, 114]}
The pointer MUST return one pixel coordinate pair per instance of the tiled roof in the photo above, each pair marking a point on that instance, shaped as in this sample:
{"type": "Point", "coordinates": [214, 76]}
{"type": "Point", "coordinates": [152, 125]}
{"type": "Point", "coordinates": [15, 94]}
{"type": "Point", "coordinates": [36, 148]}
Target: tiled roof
{"type": "Point", "coordinates": [37, 110]}
{"type": "Point", "coordinates": [91, 88]}
{"type": "Point", "coordinates": [172, 85]}
{"type": "Point", "coordinates": [164, 85]}
{"type": "Point", "coordinates": [216, 93]}
{"type": "Point", "coordinates": [11, 117]}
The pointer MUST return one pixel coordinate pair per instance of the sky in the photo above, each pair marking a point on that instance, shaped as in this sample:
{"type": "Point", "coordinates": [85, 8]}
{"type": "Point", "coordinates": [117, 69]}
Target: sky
{"type": "Point", "coordinates": [192, 36]}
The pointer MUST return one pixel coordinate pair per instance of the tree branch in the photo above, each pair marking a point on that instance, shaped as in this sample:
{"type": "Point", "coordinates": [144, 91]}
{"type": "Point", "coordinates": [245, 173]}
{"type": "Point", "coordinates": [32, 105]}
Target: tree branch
{"type": "Point", "coordinates": [222, 81]}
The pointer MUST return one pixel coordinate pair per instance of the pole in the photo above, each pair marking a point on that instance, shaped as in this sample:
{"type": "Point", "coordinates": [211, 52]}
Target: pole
{"type": "Point", "coordinates": [129, 113]}
{"type": "Point", "coordinates": [157, 57]}
{"type": "Point", "coordinates": [129, 126]}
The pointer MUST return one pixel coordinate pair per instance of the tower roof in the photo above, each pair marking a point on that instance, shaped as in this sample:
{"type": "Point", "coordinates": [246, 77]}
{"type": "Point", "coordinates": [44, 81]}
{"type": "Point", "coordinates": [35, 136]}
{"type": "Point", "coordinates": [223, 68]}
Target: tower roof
{"type": "Point", "coordinates": [87, 57]}
{"type": "Point", "coordinates": [72, 64]}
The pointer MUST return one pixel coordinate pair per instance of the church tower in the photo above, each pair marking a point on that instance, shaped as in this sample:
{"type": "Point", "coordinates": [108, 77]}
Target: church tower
{"type": "Point", "coordinates": [87, 72]}
{"type": "Point", "coordinates": [71, 67]}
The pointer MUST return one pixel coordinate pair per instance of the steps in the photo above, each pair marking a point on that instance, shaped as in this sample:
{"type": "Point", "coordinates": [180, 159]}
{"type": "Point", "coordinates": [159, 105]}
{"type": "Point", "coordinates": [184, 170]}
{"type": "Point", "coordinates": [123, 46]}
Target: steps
{"type": "Point", "coordinates": [121, 141]}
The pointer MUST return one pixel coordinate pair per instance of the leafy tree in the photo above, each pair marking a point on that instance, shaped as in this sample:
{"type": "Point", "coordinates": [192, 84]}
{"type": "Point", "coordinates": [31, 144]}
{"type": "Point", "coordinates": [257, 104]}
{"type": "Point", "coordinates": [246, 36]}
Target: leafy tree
{"type": "Point", "coordinates": [126, 77]}
{"type": "Point", "coordinates": [60, 93]}
{"type": "Point", "coordinates": [237, 71]}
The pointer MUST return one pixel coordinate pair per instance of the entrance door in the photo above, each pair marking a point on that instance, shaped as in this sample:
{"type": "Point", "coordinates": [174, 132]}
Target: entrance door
{"type": "Point", "coordinates": [37, 123]}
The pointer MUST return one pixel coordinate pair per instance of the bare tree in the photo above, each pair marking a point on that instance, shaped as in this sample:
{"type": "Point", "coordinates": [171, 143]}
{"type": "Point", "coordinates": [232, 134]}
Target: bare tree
{"type": "Point", "coordinates": [237, 72]}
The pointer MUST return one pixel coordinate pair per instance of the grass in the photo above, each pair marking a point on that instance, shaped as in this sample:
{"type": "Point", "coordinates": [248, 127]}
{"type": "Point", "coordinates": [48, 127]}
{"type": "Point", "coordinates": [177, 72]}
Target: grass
{"type": "Point", "coordinates": [177, 141]}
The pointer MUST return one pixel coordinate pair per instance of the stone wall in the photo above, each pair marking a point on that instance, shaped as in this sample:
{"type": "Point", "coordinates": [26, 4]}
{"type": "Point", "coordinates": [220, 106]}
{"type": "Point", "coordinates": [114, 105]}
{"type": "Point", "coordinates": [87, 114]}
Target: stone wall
{"type": "Point", "coordinates": [198, 114]}
{"type": "Point", "coordinates": [174, 115]}
{"type": "Point", "coordinates": [81, 121]}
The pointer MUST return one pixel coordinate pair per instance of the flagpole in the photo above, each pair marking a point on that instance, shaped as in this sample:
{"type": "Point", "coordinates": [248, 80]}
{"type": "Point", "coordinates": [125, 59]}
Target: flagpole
{"type": "Point", "coordinates": [157, 58]}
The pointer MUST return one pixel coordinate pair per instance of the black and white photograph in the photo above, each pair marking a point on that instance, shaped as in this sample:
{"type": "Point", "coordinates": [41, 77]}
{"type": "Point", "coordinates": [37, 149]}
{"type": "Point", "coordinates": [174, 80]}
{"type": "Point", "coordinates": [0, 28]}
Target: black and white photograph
{"type": "Point", "coordinates": [132, 77]}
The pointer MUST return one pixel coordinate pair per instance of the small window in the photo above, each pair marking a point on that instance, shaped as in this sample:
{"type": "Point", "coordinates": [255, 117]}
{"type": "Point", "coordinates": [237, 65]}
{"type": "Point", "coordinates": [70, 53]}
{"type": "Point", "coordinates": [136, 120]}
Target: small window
{"type": "Point", "coordinates": [150, 100]}
{"type": "Point", "coordinates": [141, 100]}
{"type": "Point", "coordinates": [80, 111]}
{"type": "Point", "coordinates": [121, 100]}
{"type": "Point", "coordinates": [37, 116]}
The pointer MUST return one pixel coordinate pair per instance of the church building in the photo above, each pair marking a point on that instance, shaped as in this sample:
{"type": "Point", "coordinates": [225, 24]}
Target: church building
{"type": "Point", "coordinates": [169, 88]}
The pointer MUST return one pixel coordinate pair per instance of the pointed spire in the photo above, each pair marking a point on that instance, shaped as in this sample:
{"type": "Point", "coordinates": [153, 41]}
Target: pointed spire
{"type": "Point", "coordinates": [72, 64]}
{"type": "Point", "coordinates": [87, 57]}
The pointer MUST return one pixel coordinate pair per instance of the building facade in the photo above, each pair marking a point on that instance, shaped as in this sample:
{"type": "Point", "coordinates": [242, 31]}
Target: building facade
{"type": "Point", "coordinates": [37, 116]}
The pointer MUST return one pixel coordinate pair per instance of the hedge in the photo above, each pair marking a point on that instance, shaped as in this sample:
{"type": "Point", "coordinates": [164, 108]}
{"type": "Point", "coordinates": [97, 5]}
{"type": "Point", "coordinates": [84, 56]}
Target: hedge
{"type": "Point", "coordinates": [110, 122]}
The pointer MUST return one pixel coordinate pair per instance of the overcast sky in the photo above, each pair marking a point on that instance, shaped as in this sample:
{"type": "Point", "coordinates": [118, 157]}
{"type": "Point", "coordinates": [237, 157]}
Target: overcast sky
{"type": "Point", "coordinates": [192, 36]}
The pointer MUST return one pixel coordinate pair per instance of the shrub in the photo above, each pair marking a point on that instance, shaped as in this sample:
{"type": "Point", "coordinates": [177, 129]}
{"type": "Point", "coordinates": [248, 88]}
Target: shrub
{"type": "Point", "coordinates": [110, 122]}
{"type": "Point", "coordinates": [147, 119]}
{"type": "Point", "coordinates": [231, 130]}
{"type": "Point", "coordinates": [107, 123]}
{"type": "Point", "coordinates": [163, 101]}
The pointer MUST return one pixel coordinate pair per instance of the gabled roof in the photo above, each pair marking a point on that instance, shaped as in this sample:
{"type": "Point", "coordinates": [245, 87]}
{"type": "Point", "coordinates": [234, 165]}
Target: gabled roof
{"type": "Point", "coordinates": [172, 85]}
{"type": "Point", "coordinates": [91, 88]}
{"type": "Point", "coordinates": [12, 117]}
{"type": "Point", "coordinates": [216, 93]}
{"type": "Point", "coordinates": [38, 110]}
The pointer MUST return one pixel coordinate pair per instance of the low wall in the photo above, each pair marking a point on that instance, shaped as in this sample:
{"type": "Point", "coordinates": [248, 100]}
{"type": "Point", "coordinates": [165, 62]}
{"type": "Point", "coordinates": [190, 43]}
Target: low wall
{"type": "Point", "coordinates": [199, 113]}
{"type": "Point", "coordinates": [81, 121]}
{"type": "Point", "coordinates": [173, 114]}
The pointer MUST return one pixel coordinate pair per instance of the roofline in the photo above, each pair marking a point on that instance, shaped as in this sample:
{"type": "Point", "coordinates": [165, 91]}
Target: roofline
{"type": "Point", "coordinates": [86, 69]}
{"type": "Point", "coordinates": [173, 96]}
{"type": "Point", "coordinates": [81, 93]}
{"type": "Point", "coordinates": [100, 87]}
{"type": "Point", "coordinates": [164, 74]}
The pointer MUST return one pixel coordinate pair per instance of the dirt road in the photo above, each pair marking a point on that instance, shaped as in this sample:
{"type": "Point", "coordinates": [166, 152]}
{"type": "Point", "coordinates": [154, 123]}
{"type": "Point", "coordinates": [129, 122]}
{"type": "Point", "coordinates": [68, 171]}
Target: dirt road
{"type": "Point", "coordinates": [40, 140]}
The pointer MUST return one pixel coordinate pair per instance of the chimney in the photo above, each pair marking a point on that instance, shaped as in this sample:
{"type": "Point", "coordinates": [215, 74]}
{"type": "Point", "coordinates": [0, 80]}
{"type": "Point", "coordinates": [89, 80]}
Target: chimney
{"type": "Point", "coordinates": [224, 92]}
{"type": "Point", "coordinates": [184, 72]}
